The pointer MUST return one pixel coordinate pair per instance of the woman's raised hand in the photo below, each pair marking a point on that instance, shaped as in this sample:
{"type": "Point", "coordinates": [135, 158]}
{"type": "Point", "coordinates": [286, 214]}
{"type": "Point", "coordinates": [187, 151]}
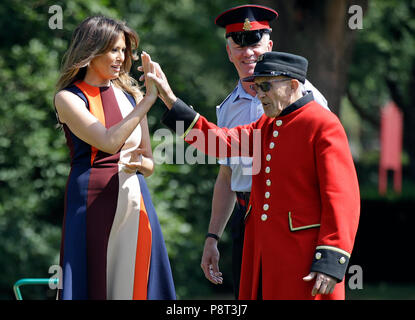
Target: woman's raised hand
{"type": "Point", "coordinates": [160, 80]}
{"type": "Point", "coordinates": [148, 68]}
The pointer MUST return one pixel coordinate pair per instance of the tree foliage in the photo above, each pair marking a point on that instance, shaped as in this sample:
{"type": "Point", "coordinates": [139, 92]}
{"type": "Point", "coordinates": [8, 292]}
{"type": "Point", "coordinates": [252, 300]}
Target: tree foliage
{"type": "Point", "coordinates": [383, 69]}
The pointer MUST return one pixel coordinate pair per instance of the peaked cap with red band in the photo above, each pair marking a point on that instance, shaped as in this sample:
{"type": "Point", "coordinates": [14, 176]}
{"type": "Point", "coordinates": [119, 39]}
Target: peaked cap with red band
{"type": "Point", "coordinates": [246, 18]}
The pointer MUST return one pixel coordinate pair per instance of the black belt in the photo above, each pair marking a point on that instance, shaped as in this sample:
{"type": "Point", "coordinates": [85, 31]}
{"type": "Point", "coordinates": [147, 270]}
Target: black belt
{"type": "Point", "coordinates": [243, 198]}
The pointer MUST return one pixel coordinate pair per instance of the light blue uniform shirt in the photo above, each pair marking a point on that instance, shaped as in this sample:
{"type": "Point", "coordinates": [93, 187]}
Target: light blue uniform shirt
{"type": "Point", "coordinates": [240, 108]}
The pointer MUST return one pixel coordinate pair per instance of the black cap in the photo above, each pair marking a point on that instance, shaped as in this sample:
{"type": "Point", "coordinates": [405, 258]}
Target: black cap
{"type": "Point", "coordinates": [246, 24]}
{"type": "Point", "coordinates": [272, 64]}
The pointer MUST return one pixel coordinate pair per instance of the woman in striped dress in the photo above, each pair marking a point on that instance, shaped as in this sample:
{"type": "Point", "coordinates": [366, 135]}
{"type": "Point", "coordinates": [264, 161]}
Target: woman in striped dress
{"type": "Point", "coordinates": [112, 246]}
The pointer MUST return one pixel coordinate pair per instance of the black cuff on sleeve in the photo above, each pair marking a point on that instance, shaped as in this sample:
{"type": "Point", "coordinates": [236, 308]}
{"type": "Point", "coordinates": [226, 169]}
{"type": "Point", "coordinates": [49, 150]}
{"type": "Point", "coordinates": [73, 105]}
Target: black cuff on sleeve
{"type": "Point", "coordinates": [179, 118]}
{"type": "Point", "coordinates": [331, 262]}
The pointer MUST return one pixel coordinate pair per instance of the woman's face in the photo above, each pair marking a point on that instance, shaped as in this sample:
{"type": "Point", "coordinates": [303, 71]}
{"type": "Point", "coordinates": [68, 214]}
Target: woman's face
{"type": "Point", "coordinates": [277, 98]}
{"type": "Point", "coordinates": [108, 66]}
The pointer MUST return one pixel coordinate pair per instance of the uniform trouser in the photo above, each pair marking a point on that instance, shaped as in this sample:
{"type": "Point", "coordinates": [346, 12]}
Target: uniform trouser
{"type": "Point", "coordinates": [238, 229]}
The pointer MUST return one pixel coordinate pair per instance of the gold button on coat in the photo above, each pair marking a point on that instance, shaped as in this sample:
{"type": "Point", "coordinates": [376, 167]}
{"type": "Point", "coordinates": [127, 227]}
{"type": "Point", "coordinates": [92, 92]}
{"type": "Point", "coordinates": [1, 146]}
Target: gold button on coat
{"type": "Point", "coordinates": [342, 260]}
{"type": "Point", "coordinates": [266, 207]}
{"type": "Point", "coordinates": [318, 255]}
{"type": "Point", "coordinates": [267, 194]}
{"type": "Point", "coordinates": [275, 133]}
{"type": "Point", "coordinates": [278, 122]}
{"type": "Point", "coordinates": [264, 217]}
{"type": "Point", "coordinates": [272, 145]}
{"type": "Point", "coordinates": [268, 182]}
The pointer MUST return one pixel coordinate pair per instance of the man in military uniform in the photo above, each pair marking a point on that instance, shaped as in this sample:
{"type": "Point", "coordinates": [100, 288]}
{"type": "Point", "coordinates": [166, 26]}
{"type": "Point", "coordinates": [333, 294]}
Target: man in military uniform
{"type": "Point", "coordinates": [304, 208]}
{"type": "Point", "coordinates": [248, 36]}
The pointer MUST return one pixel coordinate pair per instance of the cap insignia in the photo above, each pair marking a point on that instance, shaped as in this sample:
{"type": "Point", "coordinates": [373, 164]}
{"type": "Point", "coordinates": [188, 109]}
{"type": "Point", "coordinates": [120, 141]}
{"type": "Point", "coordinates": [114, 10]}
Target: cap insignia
{"type": "Point", "coordinates": [247, 25]}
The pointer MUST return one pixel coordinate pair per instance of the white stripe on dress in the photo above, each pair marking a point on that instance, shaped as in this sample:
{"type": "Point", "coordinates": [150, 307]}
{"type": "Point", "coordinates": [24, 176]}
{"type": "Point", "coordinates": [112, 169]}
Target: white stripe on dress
{"type": "Point", "coordinates": [122, 244]}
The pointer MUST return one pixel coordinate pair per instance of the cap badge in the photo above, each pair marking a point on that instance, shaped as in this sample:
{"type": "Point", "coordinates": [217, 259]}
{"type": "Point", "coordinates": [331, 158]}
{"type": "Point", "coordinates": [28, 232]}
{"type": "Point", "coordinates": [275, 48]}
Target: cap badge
{"type": "Point", "coordinates": [247, 25]}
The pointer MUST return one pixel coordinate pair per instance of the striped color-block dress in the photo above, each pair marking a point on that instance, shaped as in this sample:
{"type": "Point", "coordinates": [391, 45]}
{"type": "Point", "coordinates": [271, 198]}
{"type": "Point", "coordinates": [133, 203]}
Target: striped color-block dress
{"type": "Point", "coordinates": [112, 245]}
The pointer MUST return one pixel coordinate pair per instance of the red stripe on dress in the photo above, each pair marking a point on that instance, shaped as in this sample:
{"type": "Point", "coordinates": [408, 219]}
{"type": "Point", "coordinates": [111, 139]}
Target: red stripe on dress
{"type": "Point", "coordinates": [111, 110]}
{"type": "Point", "coordinates": [101, 207]}
{"type": "Point", "coordinates": [95, 107]}
{"type": "Point", "coordinates": [143, 255]}
{"type": "Point", "coordinates": [112, 116]}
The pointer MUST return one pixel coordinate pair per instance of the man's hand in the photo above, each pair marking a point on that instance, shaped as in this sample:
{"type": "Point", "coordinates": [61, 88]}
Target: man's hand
{"type": "Point", "coordinates": [159, 78]}
{"type": "Point", "coordinates": [324, 283]}
{"type": "Point", "coordinates": [210, 261]}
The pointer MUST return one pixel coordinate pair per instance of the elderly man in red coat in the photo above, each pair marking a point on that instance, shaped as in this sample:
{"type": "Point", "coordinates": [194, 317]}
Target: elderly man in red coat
{"type": "Point", "coordinates": [304, 208]}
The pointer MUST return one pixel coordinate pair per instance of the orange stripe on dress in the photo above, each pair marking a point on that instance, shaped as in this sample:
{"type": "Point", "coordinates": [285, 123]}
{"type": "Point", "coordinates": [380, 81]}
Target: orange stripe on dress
{"type": "Point", "coordinates": [93, 95]}
{"type": "Point", "coordinates": [143, 255]}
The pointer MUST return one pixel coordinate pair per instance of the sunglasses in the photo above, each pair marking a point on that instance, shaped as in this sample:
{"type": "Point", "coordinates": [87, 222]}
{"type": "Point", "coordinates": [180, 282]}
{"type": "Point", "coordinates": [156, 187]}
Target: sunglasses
{"type": "Point", "coordinates": [247, 38]}
{"type": "Point", "coordinates": [266, 85]}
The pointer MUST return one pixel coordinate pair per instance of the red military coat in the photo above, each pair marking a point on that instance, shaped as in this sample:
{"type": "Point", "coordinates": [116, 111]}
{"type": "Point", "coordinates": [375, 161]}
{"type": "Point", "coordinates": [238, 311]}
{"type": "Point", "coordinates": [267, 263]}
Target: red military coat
{"type": "Point", "coordinates": [304, 206]}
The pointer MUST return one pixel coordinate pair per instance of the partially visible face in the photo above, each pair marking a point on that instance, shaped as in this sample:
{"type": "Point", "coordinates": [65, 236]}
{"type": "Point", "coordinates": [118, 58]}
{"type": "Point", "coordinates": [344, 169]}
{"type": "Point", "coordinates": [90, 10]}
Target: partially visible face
{"type": "Point", "coordinates": [277, 98]}
{"type": "Point", "coordinates": [108, 65]}
{"type": "Point", "coordinates": [244, 58]}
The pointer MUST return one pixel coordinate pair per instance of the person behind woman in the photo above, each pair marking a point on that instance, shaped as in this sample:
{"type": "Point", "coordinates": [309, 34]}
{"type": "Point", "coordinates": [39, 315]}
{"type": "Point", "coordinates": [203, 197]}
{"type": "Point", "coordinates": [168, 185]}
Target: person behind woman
{"type": "Point", "coordinates": [112, 246]}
